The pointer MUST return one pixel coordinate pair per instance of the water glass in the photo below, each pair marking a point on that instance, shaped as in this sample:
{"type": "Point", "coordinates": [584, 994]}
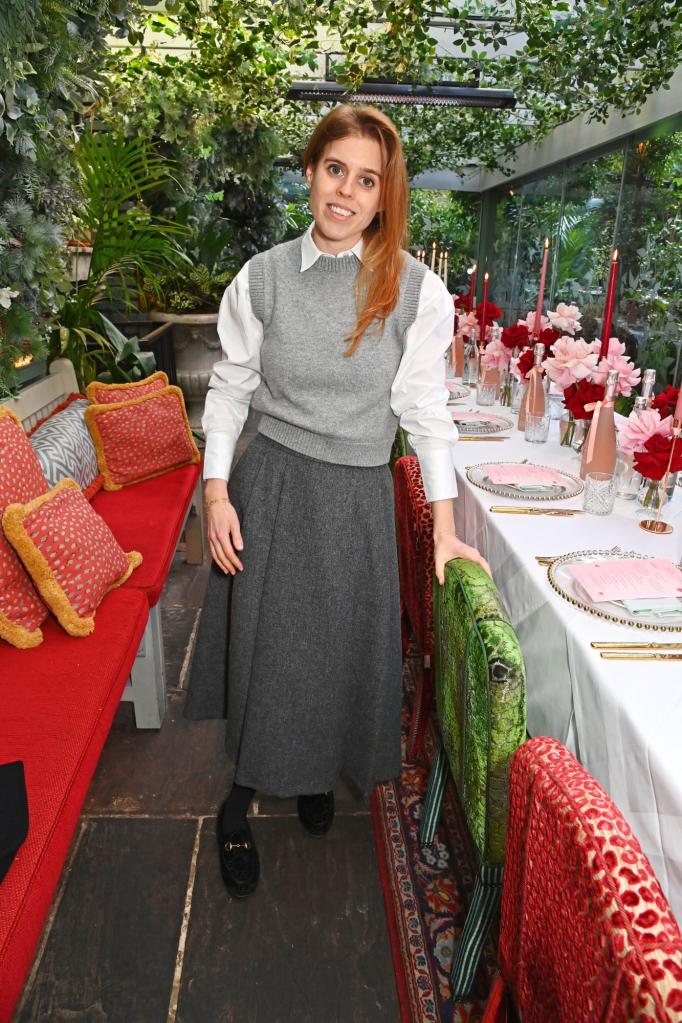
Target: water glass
{"type": "Point", "coordinates": [536, 429]}
{"type": "Point", "coordinates": [628, 480]}
{"type": "Point", "coordinates": [486, 393]}
{"type": "Point", "coordinates": [600, 493]}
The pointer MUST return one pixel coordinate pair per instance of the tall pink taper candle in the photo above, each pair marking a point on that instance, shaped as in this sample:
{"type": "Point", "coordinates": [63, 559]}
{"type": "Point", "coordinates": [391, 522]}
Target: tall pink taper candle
{"type": "Point", "coordinates": [678, 406]}
{"type": "Point", "coordinates": [537, 322]}
{"type": "Point", "coordinates": [472, 288]}
{"type": "Point", "coordinates": [608, 308]}
{"type": "Point", "coordinates": [481, 336]}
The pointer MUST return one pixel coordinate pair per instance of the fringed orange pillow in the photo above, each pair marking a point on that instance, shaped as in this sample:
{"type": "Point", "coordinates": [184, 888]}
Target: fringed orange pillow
{"type": "Point", "coordinates": [22, 612]}
{"type": "Point", "coordinates": [72, 555]}
{"type": "Point", "coordinates": [107, 394]}
{"type": "Point", "coordinates": [136, 440]}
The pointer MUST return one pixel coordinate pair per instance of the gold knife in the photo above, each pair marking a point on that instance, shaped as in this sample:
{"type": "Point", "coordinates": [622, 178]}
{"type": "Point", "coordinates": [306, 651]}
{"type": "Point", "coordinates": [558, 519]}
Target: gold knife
{"type": "Point", "coordinates": [636, 646]}
{"type": "Point", "coordinates": [525, 510]}
{"type": "Point", "coordinates": [633, 655]}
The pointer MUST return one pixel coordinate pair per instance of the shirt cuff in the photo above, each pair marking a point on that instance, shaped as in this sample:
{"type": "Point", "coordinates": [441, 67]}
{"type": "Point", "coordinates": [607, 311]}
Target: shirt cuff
{"type": "Point", "coordinates": [438, 472]}
{"type": "Point", "coordinates": [218, 455]}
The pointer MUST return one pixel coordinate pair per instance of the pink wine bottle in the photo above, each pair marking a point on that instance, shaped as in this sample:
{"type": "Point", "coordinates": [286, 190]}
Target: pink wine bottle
{"type": "Point", "coordinates": [599, 447]}
{"type": "Point", "coordinates": [533, 400]}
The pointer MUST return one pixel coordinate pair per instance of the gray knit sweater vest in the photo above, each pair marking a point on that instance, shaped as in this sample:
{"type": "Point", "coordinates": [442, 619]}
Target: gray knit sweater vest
{"type": "Point", "coordinates": [312, 398]}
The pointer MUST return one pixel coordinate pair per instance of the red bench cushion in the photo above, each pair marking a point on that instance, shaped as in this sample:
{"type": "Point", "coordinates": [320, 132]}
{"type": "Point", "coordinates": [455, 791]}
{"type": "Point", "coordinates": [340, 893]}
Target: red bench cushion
{"type": "Point", "coordinates": [148, 517]}
{"type": "Point", "coordinates": [56, 715]}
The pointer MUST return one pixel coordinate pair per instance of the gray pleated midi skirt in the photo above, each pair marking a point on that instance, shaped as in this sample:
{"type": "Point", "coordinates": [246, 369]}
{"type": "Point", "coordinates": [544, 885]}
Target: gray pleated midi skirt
{"type": "Point", "coordinates": [301, 652]}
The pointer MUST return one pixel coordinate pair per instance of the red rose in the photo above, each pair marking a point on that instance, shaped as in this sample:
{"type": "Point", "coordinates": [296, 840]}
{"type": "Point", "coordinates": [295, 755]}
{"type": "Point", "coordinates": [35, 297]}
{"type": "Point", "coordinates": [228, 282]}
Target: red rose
{"type": "Point", "coordinates": [653, 461]}
{"type": "Point", "coordinates": [577, 396]}
{"type": "Point", "coordinates": [525, 363]}
{"type": "Point", "coordinates": [515, 336]}
{"type": "Point", "coordinates": [492, 312]}
{"type": "Point", "coordinates": [665, 401]}
{"type": "Point", "coordinates": [461, 301]}
{"type": "Point", "coordinates": [548, 337]}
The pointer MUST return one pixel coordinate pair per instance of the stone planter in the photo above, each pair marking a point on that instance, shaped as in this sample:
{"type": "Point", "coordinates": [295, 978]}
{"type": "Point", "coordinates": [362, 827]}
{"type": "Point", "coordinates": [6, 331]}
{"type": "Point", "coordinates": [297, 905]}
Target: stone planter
{"type": "Point", "coordinates": [197, 348]}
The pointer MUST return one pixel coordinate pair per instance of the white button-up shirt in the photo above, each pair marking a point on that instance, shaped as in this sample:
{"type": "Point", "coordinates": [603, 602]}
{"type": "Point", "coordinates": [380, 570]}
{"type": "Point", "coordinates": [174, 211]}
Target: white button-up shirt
{"type": "Point", "coordinates": [418, 393]}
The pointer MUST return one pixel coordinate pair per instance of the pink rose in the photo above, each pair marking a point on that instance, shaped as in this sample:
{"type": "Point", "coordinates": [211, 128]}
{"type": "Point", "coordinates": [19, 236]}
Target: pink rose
{"type": "Point", "coordinates": [573, 360]}
{"type": "Point", "coordinates": [530, 321]}
{"type": "Point", "coordinates": [628, 377]}
{"type": "Point", "coordinates": [640, 427]}
{"type": "Point", "coordinates": [469, 324]}
{"type": "Point", "coordinates": [496, 356]}
{"type": "Point", "coordinates": [565, 318]}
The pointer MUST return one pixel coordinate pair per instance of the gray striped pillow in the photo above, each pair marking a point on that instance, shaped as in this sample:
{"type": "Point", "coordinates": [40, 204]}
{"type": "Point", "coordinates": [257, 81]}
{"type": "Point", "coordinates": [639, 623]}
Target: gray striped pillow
{"type": "Point", "coordinates": [64, 446]}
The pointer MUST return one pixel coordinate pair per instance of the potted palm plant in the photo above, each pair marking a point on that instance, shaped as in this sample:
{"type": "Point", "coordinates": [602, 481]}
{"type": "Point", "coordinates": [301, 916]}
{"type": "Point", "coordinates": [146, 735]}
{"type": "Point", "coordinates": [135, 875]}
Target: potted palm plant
{"type": "Point", "coordinates": [189, 299]}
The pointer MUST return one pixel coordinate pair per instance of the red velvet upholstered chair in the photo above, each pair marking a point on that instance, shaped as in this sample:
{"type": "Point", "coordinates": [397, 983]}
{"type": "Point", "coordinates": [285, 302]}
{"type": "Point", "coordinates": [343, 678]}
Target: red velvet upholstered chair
{"type": "Point", "coordinates": [414, 524]}
{"type": "Point", "coordinates": [586, 934]}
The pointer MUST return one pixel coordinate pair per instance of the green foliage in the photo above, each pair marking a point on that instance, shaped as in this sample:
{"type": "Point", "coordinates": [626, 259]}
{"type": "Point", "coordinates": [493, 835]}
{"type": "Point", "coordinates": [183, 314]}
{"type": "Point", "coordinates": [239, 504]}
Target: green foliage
{"type": "Point", "coordinates": [450, 219]}
{"type": "Point", "coordinates": [197, 290]}
{"type": "Point", "coordinates": [50, 52]}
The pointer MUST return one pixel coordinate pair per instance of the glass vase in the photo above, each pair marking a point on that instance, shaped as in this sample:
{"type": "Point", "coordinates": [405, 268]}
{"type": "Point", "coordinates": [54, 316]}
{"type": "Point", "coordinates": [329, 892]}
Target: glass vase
{"type": "Point", "coordinates": [567, 427]}
{"type": "Point", "coordinates": [652, 495]}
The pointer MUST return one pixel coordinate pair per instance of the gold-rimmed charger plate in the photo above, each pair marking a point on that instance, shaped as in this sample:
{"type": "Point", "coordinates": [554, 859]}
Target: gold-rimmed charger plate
{"type": "Point", "coordinates": [477, 475]}
{"type": "Point", "coordinates": [491, 423]}
{"type": "Point", "coordinates": [565, 584]}
{"type": "Point", "coordinates": [457, 391]}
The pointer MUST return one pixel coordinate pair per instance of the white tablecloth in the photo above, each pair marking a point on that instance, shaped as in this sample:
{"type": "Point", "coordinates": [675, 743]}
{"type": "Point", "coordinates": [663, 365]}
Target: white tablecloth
{"type": "Point", "coordinates": [623, 721]}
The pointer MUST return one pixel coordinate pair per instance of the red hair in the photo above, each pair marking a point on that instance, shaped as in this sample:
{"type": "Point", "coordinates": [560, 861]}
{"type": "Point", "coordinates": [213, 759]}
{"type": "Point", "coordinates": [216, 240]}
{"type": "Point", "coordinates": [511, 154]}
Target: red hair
{"type": "Point", "coordinates": [378, 281]}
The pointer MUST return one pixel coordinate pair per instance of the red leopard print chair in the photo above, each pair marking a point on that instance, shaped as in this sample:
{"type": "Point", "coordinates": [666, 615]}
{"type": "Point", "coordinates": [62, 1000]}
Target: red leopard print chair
{"type": "Point", "coordinates": [414, 524]}
{"type": "Point", "coordinates": [586, 934]}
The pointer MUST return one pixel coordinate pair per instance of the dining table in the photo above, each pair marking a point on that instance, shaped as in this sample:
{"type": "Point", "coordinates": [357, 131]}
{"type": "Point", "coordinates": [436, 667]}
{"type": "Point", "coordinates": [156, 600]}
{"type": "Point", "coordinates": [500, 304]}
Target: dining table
{"type": "Point", "coordinates": [621, 719]}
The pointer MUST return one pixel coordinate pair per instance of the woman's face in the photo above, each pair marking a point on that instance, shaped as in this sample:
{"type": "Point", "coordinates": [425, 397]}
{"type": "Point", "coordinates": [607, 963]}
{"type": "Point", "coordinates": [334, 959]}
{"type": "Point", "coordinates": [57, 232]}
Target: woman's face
{"type": "Point", "coordinates": [345, 192]}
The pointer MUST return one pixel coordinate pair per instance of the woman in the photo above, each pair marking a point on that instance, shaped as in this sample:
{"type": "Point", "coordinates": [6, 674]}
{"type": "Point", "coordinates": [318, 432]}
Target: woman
{"type": "Point", "coordinates": [333, 338]}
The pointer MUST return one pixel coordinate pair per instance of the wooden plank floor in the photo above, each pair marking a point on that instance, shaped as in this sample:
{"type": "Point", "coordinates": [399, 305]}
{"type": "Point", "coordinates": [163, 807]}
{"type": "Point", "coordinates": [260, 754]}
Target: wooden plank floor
{"type": "Point", "coordinates": [142, 930]}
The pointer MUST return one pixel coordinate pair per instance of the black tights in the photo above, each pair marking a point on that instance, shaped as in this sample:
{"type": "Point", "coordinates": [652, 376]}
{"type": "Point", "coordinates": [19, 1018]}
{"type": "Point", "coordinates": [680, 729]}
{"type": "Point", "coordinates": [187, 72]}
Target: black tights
{"type": "Point", "coordinates": [236, 807]}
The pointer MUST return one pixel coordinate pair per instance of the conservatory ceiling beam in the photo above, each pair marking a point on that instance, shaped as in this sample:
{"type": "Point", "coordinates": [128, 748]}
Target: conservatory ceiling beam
{"type": "Point", "coordinates": [581, 136]}
{"type": "Point", "coordinates": [440, 94]}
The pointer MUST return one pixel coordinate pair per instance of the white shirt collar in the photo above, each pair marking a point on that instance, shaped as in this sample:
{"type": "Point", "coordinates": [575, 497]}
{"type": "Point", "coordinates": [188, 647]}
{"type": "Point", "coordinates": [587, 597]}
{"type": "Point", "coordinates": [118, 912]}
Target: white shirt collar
{"type": "Point", "coordinates": [310, 252]}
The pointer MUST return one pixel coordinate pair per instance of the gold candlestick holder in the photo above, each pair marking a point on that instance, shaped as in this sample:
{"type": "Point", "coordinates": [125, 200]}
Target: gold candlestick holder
{"type": "Point", "coordinates": [656, 525]}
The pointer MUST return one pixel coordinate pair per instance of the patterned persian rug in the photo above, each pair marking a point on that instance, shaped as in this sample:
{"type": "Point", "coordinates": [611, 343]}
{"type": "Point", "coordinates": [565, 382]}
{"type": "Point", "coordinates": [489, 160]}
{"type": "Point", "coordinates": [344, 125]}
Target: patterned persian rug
{"type": "Point", "coordinates": [426, 891]}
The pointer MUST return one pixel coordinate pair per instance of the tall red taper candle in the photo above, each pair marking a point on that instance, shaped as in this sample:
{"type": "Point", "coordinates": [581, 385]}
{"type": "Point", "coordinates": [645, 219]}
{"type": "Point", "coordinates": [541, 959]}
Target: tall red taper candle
{"type": "Point", "coordinates": [537, 322]}
{"type": "Point", "coordinates": [608, 309]}
{"type": "Point", "coordinates": [472, 288]}
{"type": "Point", "coordinates": [481, 336]}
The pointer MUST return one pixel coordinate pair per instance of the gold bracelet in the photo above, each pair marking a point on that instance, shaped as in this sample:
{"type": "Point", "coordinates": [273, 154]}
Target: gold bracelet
{"type": "Point", "coordinates": [216, 500]}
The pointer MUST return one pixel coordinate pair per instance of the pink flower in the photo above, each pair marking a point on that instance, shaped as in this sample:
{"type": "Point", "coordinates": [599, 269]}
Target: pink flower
{"type": "Point", "coordinates": [496, 355]}
{"type": "Point", "coordinates": [530, 321]}
{"type": "Point", "coordinates": [565, 318]}
{"type": "Point", "coordinates": [628, 378]}
{"type": "Point", "coordinates": [468, 324]}
{"type": "Point", "coordinates": [573, 360]}
{"type": "Point", "coordinates": [640, 427]}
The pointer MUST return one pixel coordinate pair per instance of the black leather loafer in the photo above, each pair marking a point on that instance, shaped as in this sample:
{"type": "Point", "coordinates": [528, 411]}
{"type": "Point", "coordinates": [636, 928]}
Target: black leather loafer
{"type": "Point", "coordinates": [317, 812]}
{"type": "Point", "coordinates": [239, 862]}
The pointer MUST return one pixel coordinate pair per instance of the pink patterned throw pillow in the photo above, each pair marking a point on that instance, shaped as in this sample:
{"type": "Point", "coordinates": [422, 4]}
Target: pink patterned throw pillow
{"type": "Point", "coordinates": [107, 394]}
{"type": "Point", "coordinates": [21, 479]}
{"type": "Point", "coordinates": [72, 555]}
{"type": "Point", "coordinates": [136, 440]}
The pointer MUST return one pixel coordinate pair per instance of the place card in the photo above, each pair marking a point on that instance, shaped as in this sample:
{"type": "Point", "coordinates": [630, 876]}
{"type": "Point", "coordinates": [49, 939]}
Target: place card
{"type": "Point", "coordinates": [628, 578]}
{"type": "Point", "coordinates": [514, 474]}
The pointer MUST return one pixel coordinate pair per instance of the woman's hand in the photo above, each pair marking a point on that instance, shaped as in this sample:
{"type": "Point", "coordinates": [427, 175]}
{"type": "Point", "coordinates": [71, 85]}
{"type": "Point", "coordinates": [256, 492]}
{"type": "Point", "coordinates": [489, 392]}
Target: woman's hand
{"type": "Point", "coordinates": [446, 547]}
{"type": "Point", "coordinates": [224, 532]}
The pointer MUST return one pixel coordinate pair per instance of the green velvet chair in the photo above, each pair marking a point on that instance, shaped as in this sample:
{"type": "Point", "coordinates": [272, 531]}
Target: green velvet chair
{"type": "Point", "coordinates": [480, 688]}
{"type": "Point", "coordinates": [400, 447]}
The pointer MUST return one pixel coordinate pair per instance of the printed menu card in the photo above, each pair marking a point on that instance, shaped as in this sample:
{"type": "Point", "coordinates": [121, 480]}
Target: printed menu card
{"type": "Point", "coordinates": [628, 578]}
{"type": "Point", "coordinates": [513, 473]}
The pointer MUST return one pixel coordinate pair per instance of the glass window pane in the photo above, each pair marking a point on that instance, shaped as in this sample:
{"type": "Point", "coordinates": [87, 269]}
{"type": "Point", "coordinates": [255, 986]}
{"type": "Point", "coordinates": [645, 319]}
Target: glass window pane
{"type": "Point", "coordinates": [650, 247]}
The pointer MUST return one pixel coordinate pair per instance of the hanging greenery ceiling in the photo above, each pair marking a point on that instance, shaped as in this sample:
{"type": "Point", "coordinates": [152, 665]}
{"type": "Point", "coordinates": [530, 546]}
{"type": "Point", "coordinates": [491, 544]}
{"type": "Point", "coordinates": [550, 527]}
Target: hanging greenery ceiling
{"type": "Point", "coordinates": [561, 59]}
